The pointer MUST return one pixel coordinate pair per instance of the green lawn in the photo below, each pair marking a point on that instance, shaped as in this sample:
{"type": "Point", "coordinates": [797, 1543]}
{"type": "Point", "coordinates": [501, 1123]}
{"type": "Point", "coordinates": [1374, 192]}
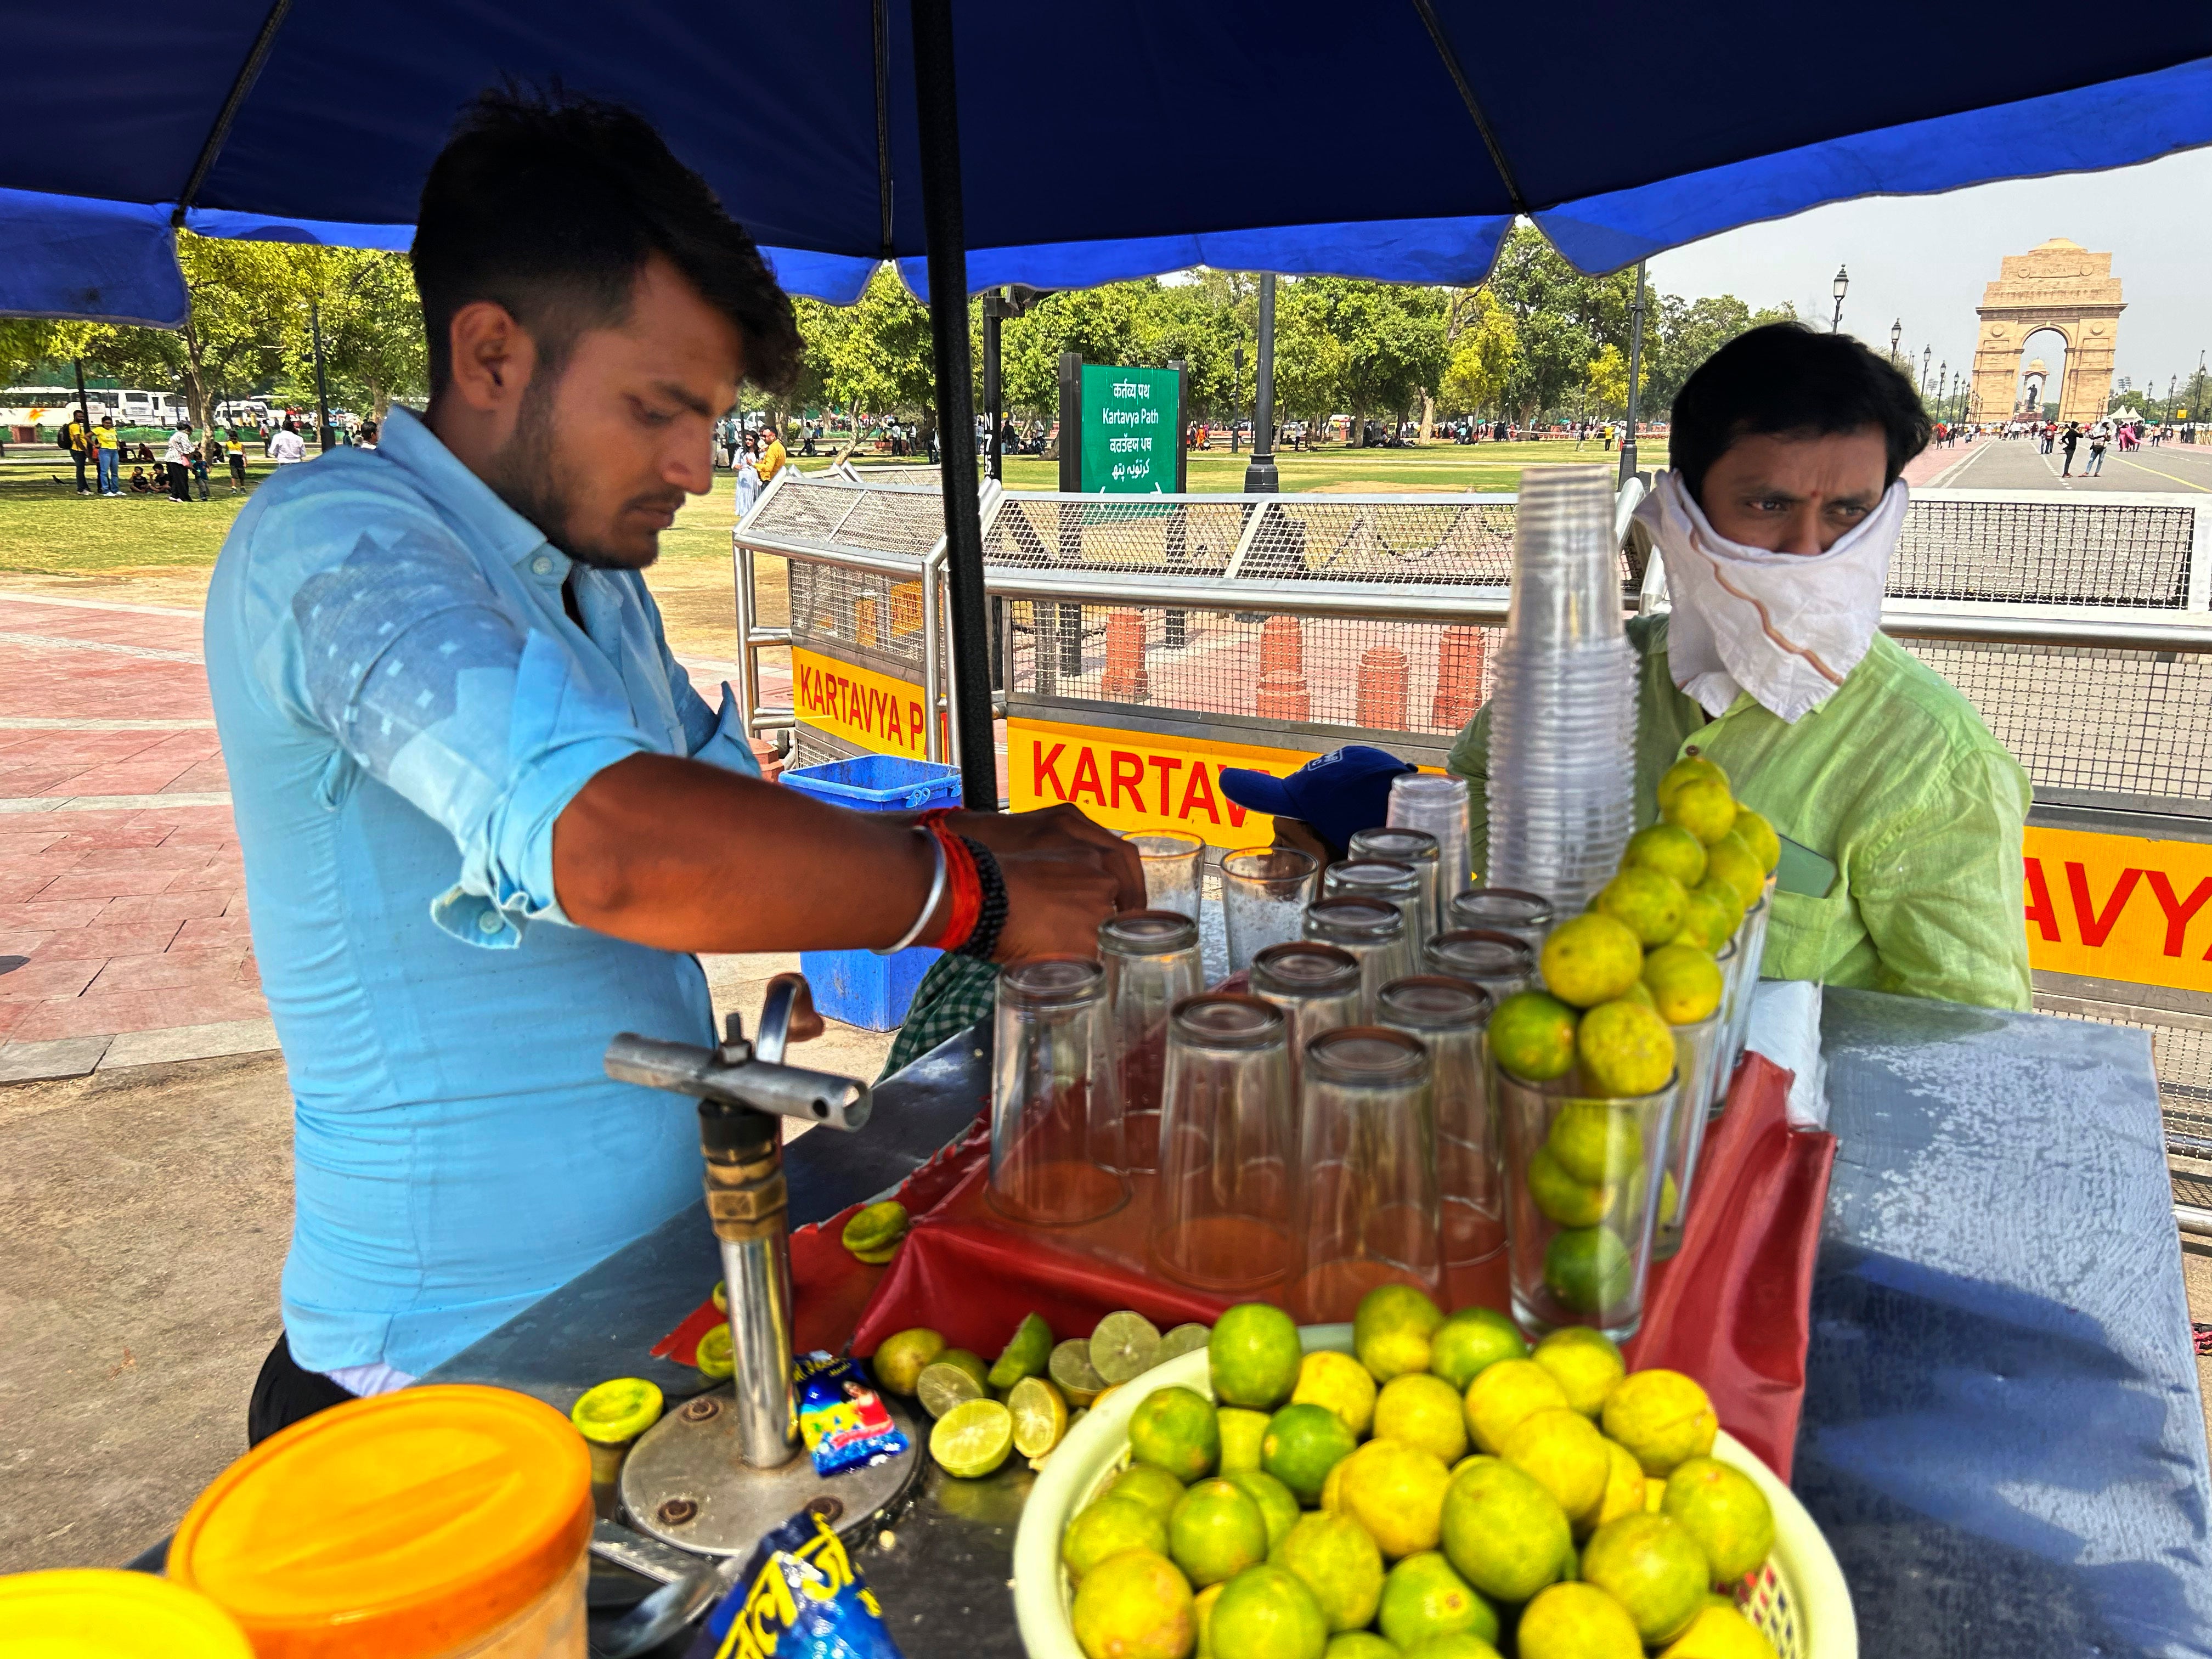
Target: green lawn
{"type": "Point", "coordinates": [47, 529]}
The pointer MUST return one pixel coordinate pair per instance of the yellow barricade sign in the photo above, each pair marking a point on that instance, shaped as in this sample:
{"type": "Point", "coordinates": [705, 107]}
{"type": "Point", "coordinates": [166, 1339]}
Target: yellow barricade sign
{"type": "Point", "coordinates": [2120, 906]}
{"type": "Point", "coordinates": [875, 710]}
{"type": "Point", "coordinates": [1140, 780]}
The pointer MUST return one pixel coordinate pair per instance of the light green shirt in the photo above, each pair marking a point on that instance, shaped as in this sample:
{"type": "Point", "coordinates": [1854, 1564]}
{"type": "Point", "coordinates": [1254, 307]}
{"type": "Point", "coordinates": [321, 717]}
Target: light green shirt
{"type": "Point", "coordinates": [1895, 780]}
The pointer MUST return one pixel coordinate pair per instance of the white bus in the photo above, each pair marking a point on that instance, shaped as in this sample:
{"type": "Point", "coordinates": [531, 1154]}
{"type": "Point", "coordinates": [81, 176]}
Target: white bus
{"type": "Point", "coordinates": [51, 406]}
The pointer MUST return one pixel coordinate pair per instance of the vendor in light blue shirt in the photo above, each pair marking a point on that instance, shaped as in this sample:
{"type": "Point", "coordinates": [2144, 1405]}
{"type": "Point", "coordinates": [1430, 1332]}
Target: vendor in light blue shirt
{"type": "Point", "coordinates": [485, 816]}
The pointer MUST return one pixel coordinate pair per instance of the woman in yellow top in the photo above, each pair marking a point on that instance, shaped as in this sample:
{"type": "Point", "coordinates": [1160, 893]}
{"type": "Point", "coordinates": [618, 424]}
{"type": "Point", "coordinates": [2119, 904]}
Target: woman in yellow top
{"type": "Point", "coordinates": [105, 457]}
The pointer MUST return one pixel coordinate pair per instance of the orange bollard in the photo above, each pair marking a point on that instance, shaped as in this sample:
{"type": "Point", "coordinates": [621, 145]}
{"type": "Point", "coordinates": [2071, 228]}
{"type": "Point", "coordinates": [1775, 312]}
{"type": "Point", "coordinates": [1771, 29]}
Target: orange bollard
{"type": "Point", "coordinates": [1126, 680]}
{"type": "Point", "coordinates": [1283, 697]}
{"type": "Point", "coordinates": [1282, 647]}
{"type": "Point", "coordinates": [1383, 677]}
{"type": "Point", "coordinates": [1459, 677]}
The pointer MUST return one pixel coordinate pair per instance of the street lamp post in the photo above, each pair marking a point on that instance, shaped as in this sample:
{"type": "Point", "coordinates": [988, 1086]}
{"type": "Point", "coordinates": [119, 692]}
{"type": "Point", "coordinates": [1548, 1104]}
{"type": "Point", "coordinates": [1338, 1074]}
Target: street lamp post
{"type": "Point", "coordinates": [1236, 395]}
{"type": "Point", "coordinates": [1926, 353]}
{"type": "Point", "coordinates": [1635, 371]}
{"type": "Point", "coordinates": [1259, 478]}
{"type": "Point", "coordinates": [322, 382]}
{"type": "Point", "coordinates": [1840, 287]}
{"type": "Point", "coordinates": [1896, 333]}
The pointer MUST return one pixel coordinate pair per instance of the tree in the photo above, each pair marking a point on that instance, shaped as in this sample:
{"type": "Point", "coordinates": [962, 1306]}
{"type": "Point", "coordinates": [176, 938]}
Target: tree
{"type": "Point", "coordinates": [373, 346]}
{"type": "Point", "coordinates": [1606, 380]}
{"type": "Point", "coordinates": [1682, 333]}
{"type": "Point", "coordinates": [1486, 357]}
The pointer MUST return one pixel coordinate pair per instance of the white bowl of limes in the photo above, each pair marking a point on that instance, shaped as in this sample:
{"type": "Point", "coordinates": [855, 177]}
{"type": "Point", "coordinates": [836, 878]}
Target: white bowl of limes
{"type": "Point", "coordinates": [1796, 1599]}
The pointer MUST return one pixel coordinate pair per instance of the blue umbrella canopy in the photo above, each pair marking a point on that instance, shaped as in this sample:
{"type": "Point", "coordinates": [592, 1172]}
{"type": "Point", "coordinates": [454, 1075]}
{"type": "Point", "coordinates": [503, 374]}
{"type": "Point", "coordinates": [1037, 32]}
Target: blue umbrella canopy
{"type": "Point", "coordinates": [1096, 142]}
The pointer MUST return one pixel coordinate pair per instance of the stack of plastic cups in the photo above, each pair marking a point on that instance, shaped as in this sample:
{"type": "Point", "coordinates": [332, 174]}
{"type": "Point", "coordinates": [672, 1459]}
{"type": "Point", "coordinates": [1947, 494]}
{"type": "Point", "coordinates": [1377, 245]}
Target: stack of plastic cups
{"type": "Point", "coordinates": [1743, 983]}
{"type": "Point", "coordinates": [1563, 710]}
{"type": "Point", "coordinates": [1423, 800]}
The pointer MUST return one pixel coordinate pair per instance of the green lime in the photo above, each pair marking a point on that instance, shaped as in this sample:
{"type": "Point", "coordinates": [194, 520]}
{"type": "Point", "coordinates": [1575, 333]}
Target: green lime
{"type": "Point", "coordinates": [1625, 1047]}
{"type": "Point", "coordinates": [1591, 958]}
{"type": "Point", "coordinates": [617, 1411]}
{"type": "Point", "coordinates": [1670, 850]}
{"type": "Point", "coordinates": [1653, 1567]}
{"type": "Point", "coordinates": [1452, 1644]}
{"type": "Point", "coordinates": [1423, 1411]}
{"type": "Point", "coordinates": [1648, 902]}
{"type": "Point", "coordinates": [1685, 983]}
{"type": "Point", "coordinates": [1136, 1604]}
{"type": "Point", "coordinates": [1470, 1340]}
{"type": "Point", "coordinates": [1391, 1328]}
{"type": "Point", "coordinates": [1026, 1353]}
{"type": "Point", "coordinates": [972, 1439]}
{"type": "Point", "coordinates": [1278, 1508]}
{"type": "Point", "coordinates": [1265, 1613]}
{"type": "Point", "coordinates": [899, 1357]}
{"type": "Point", "coordinates": [1723, 1510]}
{"type": "Point", "coordinates": [875, 1227]}
{"type": "Point", "coordinates": [1705, 924]}
{"type": "Point", "coordinates": [1704, 807]}
{"type": "Point", "coordinates": [1338, 1562]}
{"type": "Point", "coordinates": [1070, 1369]}
{"type": "Point", "coordinates": [1624, 1489]}
{"type": "Point", "coordinates": [1396, 1491]}
{"type": "Point", "coordinates": [1589, 1269]}
{"type": "Point", "coordinates": [1562, 1450]}
{"type": "Point", "coordinates": [1302, 1444]}
{"type": "Point", "coordinates": [969, 1361]}
{"type": "Point", "coordinates": [1593, 1141]}
{"type": "Point", "coordinates": [1359, 1644]}
{"type": "Point", "coordinates": [1123, 1345]}
{"type": "Point", "coordinates": [1722, 894]}
{"type": "Point", "coordinates": [1181, 1340]}
{"type": "Point", "coordinates": [1172, 1429]}
{"type": "Point", "coordinates": [1734, 863]}
{"type": "Point", "coordinates": [716, 1359]}
{"type": "Point", "coordinates": [1585, 1363]}
{"type": "Point", "coordinates": [1424, 1595]}
{"type": "Point", "coordinates": [941, 1386]}
{"type": "Point", "coordinates": [1503, 1533]}
{"type": "Point", "coordinates": [1663, 1417]}
{"type": "Point", "coordinates": [1720, 1631]}
{"type": "Point", "coordinates": [1560, 1196]}
{"type": "Point", "coordinates": [1339, 1383]}
{"type": "Point", "coordinates": [1040, 1416]}
{"type": "Point", "coordinates": [1759, 837]}
{"type": "Point", "coordinates": [1577, 1621]}
{"type": "Point", "coordinates": [1532, 1035]}
{"type": "Point", "coordinates": [1254, 1353]}
{"type": "Point", "coordinates": [1215, 1533]}
{"type": "Point", "coordinates": [1105, 1529]}
{"type": "Point", "coordinates": [1155, 1489]}
{"type": "Point", "coordinates": [1242, 1431]}
{"type": "Point", "coordinates": [1689, 769]}
{"type": "Point", "coordinates": [1503, 1394]}
{"type": "Point", "coordinates": [1201, 1609]}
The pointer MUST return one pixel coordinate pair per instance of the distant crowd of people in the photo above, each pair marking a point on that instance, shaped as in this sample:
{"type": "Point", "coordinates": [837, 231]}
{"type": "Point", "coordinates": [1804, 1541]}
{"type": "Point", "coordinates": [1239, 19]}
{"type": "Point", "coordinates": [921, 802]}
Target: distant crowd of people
{"type": "Point", "coordinates": [2068, 439]}
{"type": "Point", "coordinates": [185, 463]}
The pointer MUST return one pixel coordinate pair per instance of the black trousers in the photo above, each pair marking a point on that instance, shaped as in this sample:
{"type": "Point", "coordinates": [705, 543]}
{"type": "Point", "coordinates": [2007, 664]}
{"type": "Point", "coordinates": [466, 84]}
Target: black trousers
{"type": "Point", "coordinates": [285, 1394]}
{"type": "Point", "coordinates": [80, 457]}
{"type": "Point", "coordinates": [181, 481]}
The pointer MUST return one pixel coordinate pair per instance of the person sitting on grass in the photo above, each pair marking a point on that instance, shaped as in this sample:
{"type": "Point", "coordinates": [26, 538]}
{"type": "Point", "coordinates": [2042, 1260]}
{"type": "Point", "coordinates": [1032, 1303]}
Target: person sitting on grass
{"type": "Point", "coordinates": [139, 484]}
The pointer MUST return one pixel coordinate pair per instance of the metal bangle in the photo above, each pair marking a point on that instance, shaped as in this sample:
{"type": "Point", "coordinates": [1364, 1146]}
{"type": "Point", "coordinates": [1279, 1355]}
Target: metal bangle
{"type": "Point", "coordinates": [928, 905]}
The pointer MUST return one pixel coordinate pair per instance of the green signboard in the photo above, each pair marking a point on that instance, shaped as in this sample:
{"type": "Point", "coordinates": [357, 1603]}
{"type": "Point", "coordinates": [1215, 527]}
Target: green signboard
{"type": "Point", "coordinates": [1130, 430]}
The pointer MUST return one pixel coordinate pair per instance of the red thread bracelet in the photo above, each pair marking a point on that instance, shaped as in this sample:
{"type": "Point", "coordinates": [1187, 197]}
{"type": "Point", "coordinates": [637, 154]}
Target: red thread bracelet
{"type": "Point", "coordinates": [967, 906]}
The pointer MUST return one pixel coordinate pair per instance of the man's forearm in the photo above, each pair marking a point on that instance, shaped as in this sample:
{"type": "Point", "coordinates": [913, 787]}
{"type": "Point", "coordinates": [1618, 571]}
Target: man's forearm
{"type": "Point", "coordinates": [683, 856]}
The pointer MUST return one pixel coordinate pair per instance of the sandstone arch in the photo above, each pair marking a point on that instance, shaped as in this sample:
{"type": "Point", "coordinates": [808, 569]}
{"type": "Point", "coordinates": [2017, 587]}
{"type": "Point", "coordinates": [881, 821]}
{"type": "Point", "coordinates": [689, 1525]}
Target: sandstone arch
{"type": "Point", "coordinates": [2063, 287]}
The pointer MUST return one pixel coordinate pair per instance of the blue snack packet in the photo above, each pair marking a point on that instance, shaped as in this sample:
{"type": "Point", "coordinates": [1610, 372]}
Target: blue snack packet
{"type": "Point", "coordinates": [841, 1419]}
{"type": "Point", "coordinates": [800, 1598]}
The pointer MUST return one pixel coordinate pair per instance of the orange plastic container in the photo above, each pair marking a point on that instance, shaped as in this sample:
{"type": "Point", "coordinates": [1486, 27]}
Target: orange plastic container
{"type": "Point", "coordinates": [99, 1613]}
{"type": "Point", "coordinates": [447, 1523]}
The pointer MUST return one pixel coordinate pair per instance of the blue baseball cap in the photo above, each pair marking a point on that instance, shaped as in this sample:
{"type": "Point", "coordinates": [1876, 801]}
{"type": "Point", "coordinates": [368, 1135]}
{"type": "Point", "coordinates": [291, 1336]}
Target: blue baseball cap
{"type": "Point", "coordinates": [1338, 794]}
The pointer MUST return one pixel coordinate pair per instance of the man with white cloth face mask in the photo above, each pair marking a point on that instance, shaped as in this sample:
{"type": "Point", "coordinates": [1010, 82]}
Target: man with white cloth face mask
{"type": "Point", "coordinates": [1776, 528]}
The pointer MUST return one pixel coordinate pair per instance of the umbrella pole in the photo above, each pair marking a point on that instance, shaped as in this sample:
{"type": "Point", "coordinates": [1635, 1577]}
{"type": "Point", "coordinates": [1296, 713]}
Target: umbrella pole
{"type": "Point", "coordinates": [942, 226]}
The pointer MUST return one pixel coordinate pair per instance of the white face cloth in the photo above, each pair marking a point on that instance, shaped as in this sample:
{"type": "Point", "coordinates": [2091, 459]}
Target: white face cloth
{"type": "Point", "coordinates": [1785, 627]}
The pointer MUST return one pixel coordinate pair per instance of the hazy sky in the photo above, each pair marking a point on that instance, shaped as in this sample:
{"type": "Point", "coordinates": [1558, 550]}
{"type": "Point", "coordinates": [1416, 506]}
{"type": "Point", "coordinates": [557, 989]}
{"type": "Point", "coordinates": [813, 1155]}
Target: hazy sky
{"type": "Point", "coordinates": [1924, 259]}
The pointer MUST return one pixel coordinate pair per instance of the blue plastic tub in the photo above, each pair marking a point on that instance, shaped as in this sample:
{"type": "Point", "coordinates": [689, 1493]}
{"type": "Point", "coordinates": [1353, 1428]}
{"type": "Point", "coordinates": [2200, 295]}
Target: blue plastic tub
{"type": "Point", "coordinates": [858, 986]}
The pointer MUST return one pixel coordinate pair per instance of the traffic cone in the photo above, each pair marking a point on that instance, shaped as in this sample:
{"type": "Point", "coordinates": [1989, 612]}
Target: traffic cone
{"type": "Point", "coordinates": [1459, 677]}
{"type": "Point", "coordinates": [1283, 647]}
{"type": "Point", "coordinates": [1283, 697]}
{"type": "Point", "coordinates": [1126, 680]}
{"type": "Point", "coordinates": [1382, 677]}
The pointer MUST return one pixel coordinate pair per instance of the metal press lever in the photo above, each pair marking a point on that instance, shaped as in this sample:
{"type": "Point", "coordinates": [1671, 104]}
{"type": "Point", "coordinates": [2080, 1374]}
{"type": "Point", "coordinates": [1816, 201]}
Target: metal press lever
{"type": "Point", "coordinates": [742, 1088]}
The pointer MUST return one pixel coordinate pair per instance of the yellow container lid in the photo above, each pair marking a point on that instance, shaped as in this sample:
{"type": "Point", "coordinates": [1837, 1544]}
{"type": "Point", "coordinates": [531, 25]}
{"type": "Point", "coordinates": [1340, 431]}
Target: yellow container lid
{"type": "Point", "coordinates": [97, 1612]}
{"type": "Point", "coordinates": [403, 1525]}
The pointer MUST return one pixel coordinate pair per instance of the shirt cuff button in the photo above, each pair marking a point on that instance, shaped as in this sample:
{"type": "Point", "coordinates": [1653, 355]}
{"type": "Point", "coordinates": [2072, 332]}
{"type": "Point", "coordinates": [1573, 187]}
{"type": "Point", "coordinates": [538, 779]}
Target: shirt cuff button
{"type": "Point", "coordinates": [489, 922]}
{"type": "Point", "coordinates": [542, 565]}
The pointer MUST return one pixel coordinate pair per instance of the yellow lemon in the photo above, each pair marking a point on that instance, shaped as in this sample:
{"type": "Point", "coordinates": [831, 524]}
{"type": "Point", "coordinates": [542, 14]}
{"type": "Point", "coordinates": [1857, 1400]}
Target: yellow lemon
{"type": "Point", "coordinates": [1625, 1047]}
{"type": "Point", "coordinates": [1339, 1383]}
{"type": "Point", "coordinates": [1663, 1417]}
{"type": "Point", "coordinates": [1503, 1394]}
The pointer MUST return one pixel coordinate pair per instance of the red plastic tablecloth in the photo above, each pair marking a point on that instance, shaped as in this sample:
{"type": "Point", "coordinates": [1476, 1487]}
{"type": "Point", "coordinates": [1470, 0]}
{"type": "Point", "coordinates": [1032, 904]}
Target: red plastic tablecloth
{"type": "Point", "coordinates": [1730, 1308]}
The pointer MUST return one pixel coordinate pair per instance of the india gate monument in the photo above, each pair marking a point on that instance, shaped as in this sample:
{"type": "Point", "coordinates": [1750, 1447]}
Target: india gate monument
{"type": "Point", "coordinates": [2062, 287]}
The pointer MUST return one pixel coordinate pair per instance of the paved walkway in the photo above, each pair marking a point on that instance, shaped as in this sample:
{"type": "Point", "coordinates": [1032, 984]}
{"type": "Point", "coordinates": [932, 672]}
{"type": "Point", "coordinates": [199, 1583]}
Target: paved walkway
{"type": "Point", "coordinates": [2019, 463]}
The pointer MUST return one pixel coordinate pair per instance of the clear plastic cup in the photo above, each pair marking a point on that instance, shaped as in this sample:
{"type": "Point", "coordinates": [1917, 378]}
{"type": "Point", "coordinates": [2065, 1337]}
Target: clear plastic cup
{"type": "Point", "coordinates": [1316, 987]}
{"type": "Point", "coordinates": [1580, 1256]}
{"type": "Point", "coordinates": [1172, 861]}
{"type": "Point", "coordinates": [1698, 1053]}
{"type": "Point", "coordinates": [1414, 847]}
{"type": "Point", "coordinates": [1436, 804]}
{"type": "Point", "coordinates": [1499, 962]}
{"type": "Point", "coordinates": [1264, 894]}
{"type": "Point", "coordinates": [1151, 962]}
{"type": "Point", "coordinates": [1528, 916]}
{"type": "Point", "coordinates": [1222, 1220]}
{"type": "Point", "coordinates": [1743, 984]}
{"type": "Point", "coordinates": [1379, 879]}
{"type": "Point", "coordinates": [1448, 1015]}
{"type": "Point", "coordinates": [1366, 1211]}
{"type": "Point", "coordinates": [1374, 930]}
{"type": "Point", "coordinates": [1047, 1064]}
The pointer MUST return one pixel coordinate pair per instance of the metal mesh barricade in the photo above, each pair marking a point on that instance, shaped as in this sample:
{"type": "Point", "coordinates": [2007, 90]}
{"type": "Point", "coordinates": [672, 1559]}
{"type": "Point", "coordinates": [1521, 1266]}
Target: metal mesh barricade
{"type": "Point", "coordinates": [1130, 533]}
{"type": "Point", "coordinates": [2056, 552]}
{"type": "Point", "coordinates": [2181, 1052]}
{"type": "Point", "coordinates": [861, 609]}
{"type": "Point", "coordinates": [2091, 722]}
{"type": "Point", "coordinates": [1398, 541]}
{"type": "Point", "coordinates": [829, 512]}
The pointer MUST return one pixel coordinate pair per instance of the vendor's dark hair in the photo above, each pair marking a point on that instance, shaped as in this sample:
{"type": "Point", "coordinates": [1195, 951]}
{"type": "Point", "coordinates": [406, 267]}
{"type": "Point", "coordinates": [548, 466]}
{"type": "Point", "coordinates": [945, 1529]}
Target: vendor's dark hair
{"type": "Point", "coordinates": [549, 204]}
{"type": "Point", "coordinates": [1785, 378]}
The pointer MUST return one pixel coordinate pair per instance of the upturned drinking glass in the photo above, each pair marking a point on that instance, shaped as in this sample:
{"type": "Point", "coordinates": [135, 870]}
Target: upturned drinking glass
{"type": "Point", "coordinates": [1742, 985]}
{"type": "Point", "coordinates": [1448, 1017]}
{"type": "Point", "coordinates": [1151, 962]}
{"type": "Point", "coordinates": [1438, 805]}
{"type": "Point", "coordinates": [1047, 1065]}
{"type": "Point", "coordinates": [1171, 860]}
{"type": "Point", "coordinates": [1698, 1055]}
{"type": "Point", "coordinates": [1222, 1219]}
{"type": "Point", "coordinates": [1415, 847]}
{"type": "Point", "coordinates": [1381, 879]}
{"type": "Point", "coordinates": [1373, 930]}
{"type": "Point", "coordinates": [1264, 894]}
{"type": "Point", "coordinates": [1499, 962]}
{"type": "Point", "coordinates": [1316, 985]}
{"type": "Point", "coordinates": [1504, 910]}
{"type": "Point", "coordinates": [1366, 1206]}
{"type": "Point", "coordinates": [1582, 1170]}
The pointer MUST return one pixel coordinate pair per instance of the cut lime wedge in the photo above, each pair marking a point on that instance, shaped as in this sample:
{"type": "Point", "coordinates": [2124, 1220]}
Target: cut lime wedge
{"type": "Point", "coordinates": [973, 1439]}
